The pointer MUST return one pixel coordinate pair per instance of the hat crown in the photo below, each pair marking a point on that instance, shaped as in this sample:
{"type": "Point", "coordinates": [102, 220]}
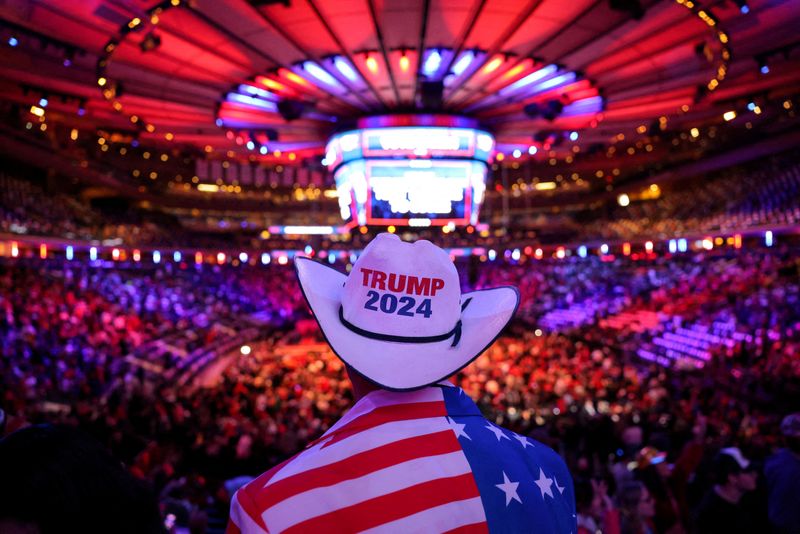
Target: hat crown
{"type": "Point", "coordinates": [402, 289]}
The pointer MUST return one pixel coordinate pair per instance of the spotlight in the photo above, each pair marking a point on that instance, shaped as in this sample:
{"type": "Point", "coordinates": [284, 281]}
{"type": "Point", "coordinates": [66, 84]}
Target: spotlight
{"type": "Point", "coordinates": [763, 67]}
{"type": "Point", "coordinates": [291, 109]}
{"type": "Point", "coordinates": [743, 7]}
{"type": "Point", "coordinates": [150, 42]}
{"type": "Point", "coordinates": [553, 109]}
{"type": "Point", "coordinates": [13, 41]}
{"type": "Point", "coordinates": [573, 136]}
{"type": "Point", "coordinates": [632, 7]}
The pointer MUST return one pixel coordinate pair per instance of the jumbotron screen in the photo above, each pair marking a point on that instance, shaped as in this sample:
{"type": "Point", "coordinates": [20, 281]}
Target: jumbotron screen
{"type": "Point", "coordinates": [410, 175]}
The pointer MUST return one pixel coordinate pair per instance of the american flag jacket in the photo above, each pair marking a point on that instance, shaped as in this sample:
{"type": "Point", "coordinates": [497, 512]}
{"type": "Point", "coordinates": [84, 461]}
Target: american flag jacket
{"type": "Point", "coordinates": [420, 461]}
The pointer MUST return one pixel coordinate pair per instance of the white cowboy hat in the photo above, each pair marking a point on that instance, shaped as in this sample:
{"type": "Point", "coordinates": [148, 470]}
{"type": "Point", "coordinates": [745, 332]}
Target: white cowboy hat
{"type": "Point", "coordinates": [400, 319]}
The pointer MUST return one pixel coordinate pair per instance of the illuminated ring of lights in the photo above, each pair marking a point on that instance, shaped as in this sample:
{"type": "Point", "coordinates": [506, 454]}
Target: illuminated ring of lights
{"type": "Point", "coordinates": [707, 17]}
{"type": "Point", "coordinates": [336, 75]}
{"type": "Point", "coordinates": [108, 87]}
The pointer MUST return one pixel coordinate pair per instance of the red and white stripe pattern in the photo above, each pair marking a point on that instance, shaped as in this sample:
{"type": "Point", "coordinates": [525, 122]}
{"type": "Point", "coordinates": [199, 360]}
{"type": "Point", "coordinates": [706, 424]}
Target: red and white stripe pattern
{"type": "Point", "coordinates": [392, 464]}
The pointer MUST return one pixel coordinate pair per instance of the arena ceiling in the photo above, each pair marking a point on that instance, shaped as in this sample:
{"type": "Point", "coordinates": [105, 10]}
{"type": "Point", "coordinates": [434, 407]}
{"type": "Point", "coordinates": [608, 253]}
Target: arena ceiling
{"type": "Point", "coordinates": [586, 88]}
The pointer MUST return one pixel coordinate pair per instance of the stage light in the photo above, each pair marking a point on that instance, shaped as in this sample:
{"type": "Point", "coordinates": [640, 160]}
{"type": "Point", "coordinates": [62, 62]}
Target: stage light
{"type": "Point", "coordinates": [308, 250]}
{"type": "Point", "coordinates": [517, 153]}
{"type": "Point", "coordinates": [545, 186]}
{"type": "Point", "coordinates": [319, 73]}
{"type": "Point", "coordinates": [220, 258]}
{"type": "Point", "coordinates": [694, 132]}
{"type": "Point", "coordinates": [683, 245]}
{"type": "Point", "coordinates": [648, 246]}
{"type": "Point", "coordinates": [36, 110]}
{"type": "Point", "coordinates": [372, 64]}
{"type": "Point", "coordinates": [561, 253]}
{"type": "Point", "coordinates": [604, 249]}
{"type": "Point", "coordinates": [263, 150]}
{"type": "Point", "coordinates": [515, 255]}
{"type": "Point", "coordinates": [343, 66]}
{"type": "Point", "coordinates": [14, 249]}
{"type": "Point", "coordinates": [768, 238]}
{"type": "Point", "coordinates": [492, 65]}
{"type": "Point", "coordinates": [757, 110]}
{"type": "Point", "coordinates": [492, 254]}
{"type": "Point", "coordinates": [626, 249]}
{"type": "Point", "coordinates": [43, 251]}
{"type": "Point", "coordinates": [251, 145]}
{"type": "Point", "coordinates": [70, 252]}
{"type": "Point", "coordinates": [743, 7]}
{"type": "Point", "coordinates": [73, 134]}
{"type": "Point", "coordinates": [43, 102]}
{"type": "Point", "coordinates": [405, 63]}
{"type": "Point", "coordinates": [623, 200]}
{"type": "Point", "coordinates": [101, 81]}
{"type": "Point", "coordinates": [432, 63]}
{"type": "Point", "coordinates": [582, 251]}
{"type": "Point", "coordinates": [156, 256]}
{"type": "Point", "coordinates": [708, 243]}
{"type": "Point", "coordinates": [331, 258]}
{"type": "Point", "coordinates": [538, 254]}
{"type": "Point", "coordinates": [673, 246]}
{"type": "Point", "coordinates": [532, 150]}
{"type": "Point", "coordinates": [573, 136]}
{"type": "Point", "coordinates": [763, 68]}
{"type": "Point", "coordinates": [245, 350]}
{"type": "Point", "coordinates": [265, 258]}
{"type": "Point", "coordinates": [463, 62]}
{"type": "Point", "coordinates": [729, 115]}
{"type": "Point", "coordinates": [93, 253]}
{"type": "Point", "coordinates": [12, 41]}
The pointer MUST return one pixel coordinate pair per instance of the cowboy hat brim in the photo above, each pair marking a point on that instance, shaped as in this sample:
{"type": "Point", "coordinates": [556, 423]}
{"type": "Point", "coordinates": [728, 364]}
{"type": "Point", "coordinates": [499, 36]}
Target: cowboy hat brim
{"type": "Point", "coordinates": [397, 365]}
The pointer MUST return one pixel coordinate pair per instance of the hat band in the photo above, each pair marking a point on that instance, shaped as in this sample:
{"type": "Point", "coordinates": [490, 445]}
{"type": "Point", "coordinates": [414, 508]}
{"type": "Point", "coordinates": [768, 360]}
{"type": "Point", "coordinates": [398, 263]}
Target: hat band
{"type": "Point", "coordinates": [455, 333]}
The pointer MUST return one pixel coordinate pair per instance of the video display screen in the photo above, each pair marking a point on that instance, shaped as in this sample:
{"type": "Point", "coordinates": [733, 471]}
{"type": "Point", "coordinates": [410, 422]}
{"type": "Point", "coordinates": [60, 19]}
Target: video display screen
{"type": "Point", "coordinates": [410, 176]}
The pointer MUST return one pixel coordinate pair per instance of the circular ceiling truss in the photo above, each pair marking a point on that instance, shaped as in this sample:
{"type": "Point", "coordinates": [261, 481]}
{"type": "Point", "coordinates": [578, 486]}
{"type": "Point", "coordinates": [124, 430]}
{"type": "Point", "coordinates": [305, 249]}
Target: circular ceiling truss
{"type": "Point", "coordinates": [332, 91]}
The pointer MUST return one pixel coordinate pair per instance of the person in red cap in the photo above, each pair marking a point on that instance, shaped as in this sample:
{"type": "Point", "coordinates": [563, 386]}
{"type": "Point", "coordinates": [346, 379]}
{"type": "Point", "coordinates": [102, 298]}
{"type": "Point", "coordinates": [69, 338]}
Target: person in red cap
{"type": "Point", "coordinates": [414, 453]}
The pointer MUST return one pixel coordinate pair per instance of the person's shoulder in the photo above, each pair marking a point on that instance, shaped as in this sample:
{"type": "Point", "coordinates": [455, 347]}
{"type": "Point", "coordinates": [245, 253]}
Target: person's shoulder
{"type": "Point", "coordinates": [541, 453]}
{"type": "Point", "coordinates": [249, 501]}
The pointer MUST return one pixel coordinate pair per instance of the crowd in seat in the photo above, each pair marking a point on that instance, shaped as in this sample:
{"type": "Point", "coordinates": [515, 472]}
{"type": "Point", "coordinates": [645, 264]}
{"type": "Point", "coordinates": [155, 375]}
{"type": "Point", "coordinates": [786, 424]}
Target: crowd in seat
{"type": "Point", "coordinates": [756, 196]}
{"type": "Point", "coordinates": [97, 345]}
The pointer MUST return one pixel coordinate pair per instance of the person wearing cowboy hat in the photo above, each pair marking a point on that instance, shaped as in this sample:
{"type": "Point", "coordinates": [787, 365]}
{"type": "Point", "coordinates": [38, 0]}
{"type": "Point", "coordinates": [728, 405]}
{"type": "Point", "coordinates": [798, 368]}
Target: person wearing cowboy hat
{"type": "Point", "coordinates": [414, 453]}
